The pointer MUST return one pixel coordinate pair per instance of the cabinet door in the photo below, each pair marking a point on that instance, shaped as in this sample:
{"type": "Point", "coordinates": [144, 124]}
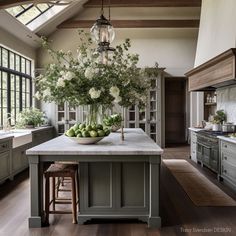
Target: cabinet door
{"type": "Point", "coordinates": [16, 159]}
{"type": "Point", "coordinates": [214, 162]}
{"type": "Point", "coordinates": [4, 165]}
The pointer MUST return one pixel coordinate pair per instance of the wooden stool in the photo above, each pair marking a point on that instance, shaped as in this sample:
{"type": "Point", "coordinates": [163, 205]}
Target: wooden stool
{"type": "Point", "coordinates": [61, 171]}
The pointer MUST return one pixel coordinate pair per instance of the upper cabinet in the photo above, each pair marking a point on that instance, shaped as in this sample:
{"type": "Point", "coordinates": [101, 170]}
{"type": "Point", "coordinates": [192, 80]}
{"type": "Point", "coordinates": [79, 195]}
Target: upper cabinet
{"type": "Point", "coordinates": [218, 72]}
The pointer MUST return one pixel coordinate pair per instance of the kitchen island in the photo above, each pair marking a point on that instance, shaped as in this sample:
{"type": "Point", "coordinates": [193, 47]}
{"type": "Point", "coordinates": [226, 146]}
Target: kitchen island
{"type": "Point", "coordinates": [117, 179]}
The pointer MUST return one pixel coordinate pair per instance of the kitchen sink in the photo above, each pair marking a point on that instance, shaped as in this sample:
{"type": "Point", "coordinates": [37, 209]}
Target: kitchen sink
{"type": "Point", "coordinates": [21, 137]}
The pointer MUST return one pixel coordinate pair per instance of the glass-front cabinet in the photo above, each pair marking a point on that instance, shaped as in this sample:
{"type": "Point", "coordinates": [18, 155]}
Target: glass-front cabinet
{"type": "Point", "coordinates": [66, 117]}
{"type": "Point", "coordinates": [148, 119]}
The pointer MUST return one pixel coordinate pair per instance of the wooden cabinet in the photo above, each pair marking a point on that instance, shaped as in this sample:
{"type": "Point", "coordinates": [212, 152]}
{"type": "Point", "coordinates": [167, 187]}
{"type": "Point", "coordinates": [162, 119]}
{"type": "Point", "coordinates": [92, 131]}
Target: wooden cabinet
{"type": "Point", "coordinates": [228, 162]}
{"type": "Point", "coordinates": [149, 119]}
{"type": "Point", "coordinates": [5, 159]}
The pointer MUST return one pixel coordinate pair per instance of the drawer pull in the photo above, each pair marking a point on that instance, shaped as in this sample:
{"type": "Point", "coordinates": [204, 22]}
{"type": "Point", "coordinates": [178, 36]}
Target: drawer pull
{"type": "Point", "coordinates": [4, 145]}
{"type": "Point", "coordinates": [225, 171]}
{"type": "Point", "coordinates": [225, 146]}
{"type": "Point", "coordinates": [225, 158]}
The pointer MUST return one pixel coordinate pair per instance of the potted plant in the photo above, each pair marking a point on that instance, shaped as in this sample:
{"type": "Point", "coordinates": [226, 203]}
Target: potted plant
{"type": "Point", "coordinates": [113, 121]}
{"type": "Point", "coordinates": [218, 120]}
{"type": "Point", "coordinates": [30, 118]}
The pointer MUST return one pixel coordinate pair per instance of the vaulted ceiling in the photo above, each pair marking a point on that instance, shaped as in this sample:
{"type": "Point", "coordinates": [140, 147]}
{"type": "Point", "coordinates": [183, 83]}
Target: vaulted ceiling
{"type": "Point", "coordinates": [125, 14]}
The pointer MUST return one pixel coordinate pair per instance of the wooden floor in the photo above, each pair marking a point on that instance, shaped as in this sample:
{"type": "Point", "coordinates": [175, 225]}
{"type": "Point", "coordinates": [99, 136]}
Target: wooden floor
{"type": "Point", "coordinates": [179, 215]}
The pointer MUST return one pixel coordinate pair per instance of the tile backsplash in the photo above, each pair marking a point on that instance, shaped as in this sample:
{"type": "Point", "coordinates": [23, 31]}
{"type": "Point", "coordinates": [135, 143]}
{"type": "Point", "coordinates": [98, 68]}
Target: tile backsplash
{"type": "Point", "coordinates": [226, 100]}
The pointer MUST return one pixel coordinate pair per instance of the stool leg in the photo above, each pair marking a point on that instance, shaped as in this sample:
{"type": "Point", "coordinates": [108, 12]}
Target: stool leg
{"type": "Point", "coordinates": [53, 193]}
{"type": "Point", "coordinates": [74, 200]}
{"type": "Point", "coordinates": [47, 200]}
{"type": "Point", "coordinates": [77, 187]}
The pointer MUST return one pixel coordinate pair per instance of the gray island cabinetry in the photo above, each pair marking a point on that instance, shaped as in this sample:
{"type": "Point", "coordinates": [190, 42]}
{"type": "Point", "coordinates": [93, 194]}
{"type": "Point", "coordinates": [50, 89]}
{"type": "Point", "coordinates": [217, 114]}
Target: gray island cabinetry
{"type": "Point", "coordinates": [117, 179]}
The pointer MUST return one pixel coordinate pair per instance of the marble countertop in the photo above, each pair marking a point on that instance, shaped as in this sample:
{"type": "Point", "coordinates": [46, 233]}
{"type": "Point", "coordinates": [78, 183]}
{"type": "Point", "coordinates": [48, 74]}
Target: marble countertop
{"type": "Point", "coordinates": [228, 139]}
{"type": "Point", "coordinates": [136, 143]}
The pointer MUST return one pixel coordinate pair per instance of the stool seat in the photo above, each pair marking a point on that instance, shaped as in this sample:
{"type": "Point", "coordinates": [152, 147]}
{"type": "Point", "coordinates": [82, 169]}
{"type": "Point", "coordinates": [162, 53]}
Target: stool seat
{"type": "Point", "coordinates": [61, 169]}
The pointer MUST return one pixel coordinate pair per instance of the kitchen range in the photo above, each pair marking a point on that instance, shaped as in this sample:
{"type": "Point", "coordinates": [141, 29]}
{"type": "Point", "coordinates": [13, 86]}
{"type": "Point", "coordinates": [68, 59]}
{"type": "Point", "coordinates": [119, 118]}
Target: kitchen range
{"type": "Point", "coordinates": [208, 148]}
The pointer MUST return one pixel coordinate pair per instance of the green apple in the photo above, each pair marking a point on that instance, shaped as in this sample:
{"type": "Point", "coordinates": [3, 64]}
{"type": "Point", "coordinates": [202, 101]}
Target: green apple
{"type": "Point", "coordinates": [93, 133]}
{"type": "Point", "coordinates": [77, 132]}
{"type": "Point", "coordinates": [94, 127]}
{"type": "Point", "coordinates": [101, 133]}
{"type": "Point", "coordinates": [76, 127]}
{"type": "Point", "coordinates": [107, 132]}
{"type": "Point", "coordinates": [70, 132]}
{"type": "Point", "coordinates": [99, 126]}
{"type": "Point", "coordinates": [85, 134]}
{"type": "Point", "coordinates": [81, 126]}
{"type": "Point", "coordinates": [79, 135]}
{"type": "Point", "coordinates": [88, 128]}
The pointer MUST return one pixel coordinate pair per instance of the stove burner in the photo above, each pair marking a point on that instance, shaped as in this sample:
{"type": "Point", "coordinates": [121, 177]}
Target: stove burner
{"type": "Point", "coordinates": [213, 133]}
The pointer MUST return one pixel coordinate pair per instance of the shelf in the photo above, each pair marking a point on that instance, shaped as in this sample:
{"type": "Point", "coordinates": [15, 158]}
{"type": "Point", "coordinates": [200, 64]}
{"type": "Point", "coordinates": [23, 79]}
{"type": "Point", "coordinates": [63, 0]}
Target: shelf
{"type": "Point", "coordinates": [211, 104]}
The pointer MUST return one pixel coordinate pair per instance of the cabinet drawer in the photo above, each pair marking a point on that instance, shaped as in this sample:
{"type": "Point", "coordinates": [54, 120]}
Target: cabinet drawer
{"type": "Point", "coordinates": [4, 146]}
{"type": "Point", "coordinates": [228, 157]}
{"type": "Point", "coordinates": [228, 147]}
{"type": "Point", "coordinates": [229, 171]}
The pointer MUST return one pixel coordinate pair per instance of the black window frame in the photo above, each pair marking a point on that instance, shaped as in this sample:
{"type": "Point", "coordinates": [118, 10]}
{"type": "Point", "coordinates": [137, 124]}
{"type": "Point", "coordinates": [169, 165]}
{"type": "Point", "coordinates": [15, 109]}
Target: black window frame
{"type": "Point", "coordinates": [19, 75]}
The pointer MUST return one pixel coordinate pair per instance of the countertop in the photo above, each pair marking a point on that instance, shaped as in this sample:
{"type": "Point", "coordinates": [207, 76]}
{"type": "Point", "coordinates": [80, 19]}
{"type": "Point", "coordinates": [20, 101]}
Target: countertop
{"type": "Point", "coordinates": [228, 139]}
{"type": "Point", "coordinates": [136, 143]}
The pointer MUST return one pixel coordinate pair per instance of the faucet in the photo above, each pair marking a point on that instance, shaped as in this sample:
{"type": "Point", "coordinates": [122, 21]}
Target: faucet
{"type": "Point", "coordinates": [7, 126]}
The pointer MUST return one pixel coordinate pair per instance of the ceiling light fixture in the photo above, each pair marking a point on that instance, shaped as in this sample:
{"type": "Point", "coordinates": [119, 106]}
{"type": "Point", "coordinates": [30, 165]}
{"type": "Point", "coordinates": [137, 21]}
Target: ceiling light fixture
{"type": "Point", "coordinates": [103, 33]}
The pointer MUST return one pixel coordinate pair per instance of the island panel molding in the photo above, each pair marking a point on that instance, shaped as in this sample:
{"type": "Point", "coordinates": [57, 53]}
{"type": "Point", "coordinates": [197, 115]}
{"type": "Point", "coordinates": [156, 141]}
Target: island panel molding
{"type": "Point", "coordinates": [108, 185]}
{"type": "Point", "coordinates": [218, 72]}
{"type": "Point", "coordinates": [75, 24]}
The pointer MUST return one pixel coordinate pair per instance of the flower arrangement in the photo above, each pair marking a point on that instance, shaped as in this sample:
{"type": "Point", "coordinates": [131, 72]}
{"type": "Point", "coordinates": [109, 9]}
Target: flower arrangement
{"type": "Point", "coordinates": [85, 80]}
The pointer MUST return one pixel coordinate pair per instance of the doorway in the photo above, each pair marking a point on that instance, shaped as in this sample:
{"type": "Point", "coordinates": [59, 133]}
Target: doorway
{"type": "Point", "coordinates": [175, 111]}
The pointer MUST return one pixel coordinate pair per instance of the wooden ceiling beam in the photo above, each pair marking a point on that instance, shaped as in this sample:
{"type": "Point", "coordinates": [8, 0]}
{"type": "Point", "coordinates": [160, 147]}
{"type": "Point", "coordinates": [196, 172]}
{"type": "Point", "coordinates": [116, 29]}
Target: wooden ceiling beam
{"type": "Point", "coordinates": [71, 24]}
{"type": "Point", "coordinates": [144, 3]}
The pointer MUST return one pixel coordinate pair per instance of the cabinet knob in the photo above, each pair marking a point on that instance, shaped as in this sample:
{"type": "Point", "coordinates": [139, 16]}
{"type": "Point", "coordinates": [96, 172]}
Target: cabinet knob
{"type": "Point", "coordinates": [225, 158]}
{"type": "Point", "coordinates": [225, 146]}
{"type": "Point", "coordinates": [4, 145]}
{"type": "Point", "coordinates": [225, 171]}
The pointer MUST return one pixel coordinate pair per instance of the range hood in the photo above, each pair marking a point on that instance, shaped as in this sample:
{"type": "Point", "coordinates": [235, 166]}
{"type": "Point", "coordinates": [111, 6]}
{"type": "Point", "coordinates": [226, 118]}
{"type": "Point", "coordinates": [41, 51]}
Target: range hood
{"type": "Point", "coordinates": [218, 72]}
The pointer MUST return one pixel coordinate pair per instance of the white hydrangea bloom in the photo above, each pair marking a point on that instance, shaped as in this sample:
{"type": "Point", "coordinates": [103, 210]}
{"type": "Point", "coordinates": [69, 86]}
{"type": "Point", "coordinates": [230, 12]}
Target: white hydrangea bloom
{"type": "Point", "coordinates": [47, 92]}
{"type": "Point", "coordinates": [114, 91]}
{"type": "Point", "coordinates": [69, 75]}
{"type": "Point", "coordinates": [52, 66]}
{"type": "Point", "coordinates": [94, 93]}
{"type": "Point", "coordinates": [118, 99]}
{"type": "Point", "coordinates": [89, 73]}
{"type": "Point", "coordinates": [60, 82]}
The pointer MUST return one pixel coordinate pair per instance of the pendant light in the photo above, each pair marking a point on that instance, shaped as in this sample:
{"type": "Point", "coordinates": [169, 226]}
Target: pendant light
{"type": "Point", "coordinates": [102, 32]}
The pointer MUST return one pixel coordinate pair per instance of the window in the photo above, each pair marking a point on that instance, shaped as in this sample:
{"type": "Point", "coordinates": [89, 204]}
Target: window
{"type": "Point", "coordinates": [15, 85]}
{"type": "Point", "coordinates": [28, 12]}
{"type": "Point", "coordinates": [35, 15]}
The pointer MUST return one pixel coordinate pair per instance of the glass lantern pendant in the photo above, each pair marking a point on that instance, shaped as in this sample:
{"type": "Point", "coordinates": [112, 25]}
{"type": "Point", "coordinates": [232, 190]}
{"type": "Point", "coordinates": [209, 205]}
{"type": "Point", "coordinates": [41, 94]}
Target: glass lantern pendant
{"type": "Point", "coordinates": [102, 31]}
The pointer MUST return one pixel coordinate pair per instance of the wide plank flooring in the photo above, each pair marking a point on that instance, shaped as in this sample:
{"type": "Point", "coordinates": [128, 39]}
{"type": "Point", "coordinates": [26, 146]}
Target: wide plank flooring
{"type": "Point", "coordinates": [179, 215]}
